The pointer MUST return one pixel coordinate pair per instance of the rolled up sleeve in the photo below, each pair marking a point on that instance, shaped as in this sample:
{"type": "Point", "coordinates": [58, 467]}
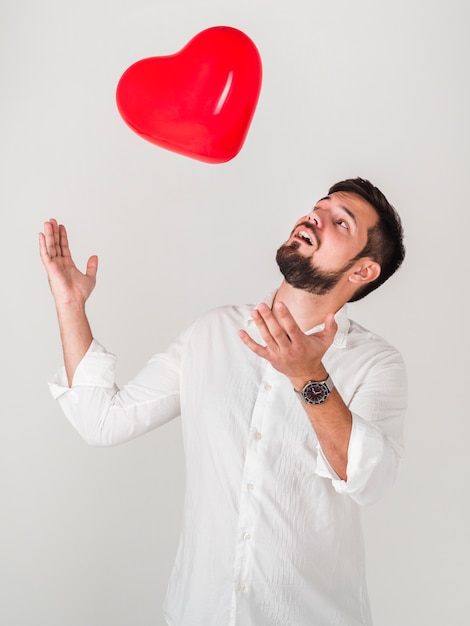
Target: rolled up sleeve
{"type": "Point", "coordinates": [96, 369]}
{"type": "Point", "coordinates": [376, 443]}
{"type": "Point", "coordinates": [106, 415]}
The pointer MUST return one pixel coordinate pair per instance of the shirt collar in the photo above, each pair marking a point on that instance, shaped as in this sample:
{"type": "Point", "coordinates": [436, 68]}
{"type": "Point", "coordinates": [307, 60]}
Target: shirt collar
{"type": "Point", "coordinates": [341, 318]}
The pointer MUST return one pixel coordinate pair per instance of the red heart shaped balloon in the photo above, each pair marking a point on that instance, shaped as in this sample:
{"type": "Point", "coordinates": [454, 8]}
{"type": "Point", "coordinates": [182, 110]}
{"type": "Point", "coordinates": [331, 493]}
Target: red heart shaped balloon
{"type": "Point", "coordinates": [198, 102]}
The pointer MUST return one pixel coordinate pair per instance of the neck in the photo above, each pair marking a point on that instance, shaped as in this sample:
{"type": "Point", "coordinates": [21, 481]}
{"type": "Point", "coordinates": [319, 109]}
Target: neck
{"type": "Point", "coordinates": [309, 310]}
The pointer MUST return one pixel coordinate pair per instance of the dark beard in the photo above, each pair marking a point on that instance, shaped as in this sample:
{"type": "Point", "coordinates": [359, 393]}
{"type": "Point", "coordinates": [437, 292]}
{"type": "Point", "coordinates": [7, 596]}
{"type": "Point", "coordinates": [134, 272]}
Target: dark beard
{"type": "Point", "coordinates": [299, 272]}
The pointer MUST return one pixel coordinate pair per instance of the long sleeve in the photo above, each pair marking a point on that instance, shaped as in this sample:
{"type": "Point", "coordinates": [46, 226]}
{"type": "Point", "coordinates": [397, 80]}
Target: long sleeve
{"type": "Point", "coordinates": [378, 405]}
{"type": "Point", "coordinates": [281, 532]}
{"type": "Point", "coordinates": [105, 415]}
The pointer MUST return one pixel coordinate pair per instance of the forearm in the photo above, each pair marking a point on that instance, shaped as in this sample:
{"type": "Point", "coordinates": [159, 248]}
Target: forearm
{"type": "Point", "coordinates": [105, 414]}
{"type": "Point", "coordinates": [71, 289]}
{"type": "Point", "coordinates": [75, 333]}
{"type": "Point", "coordinates": [332, 422]}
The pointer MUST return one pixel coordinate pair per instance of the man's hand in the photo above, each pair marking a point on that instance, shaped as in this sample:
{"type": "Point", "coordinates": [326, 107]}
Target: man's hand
{"type": "Point", "coordinates": [68, 284]}
{"type": "Point", "coordinates": [70, 289]}
{"type": "Point", "coordinates": [299, 357]}
{"type": "Point", "coordinates": [288, 349]}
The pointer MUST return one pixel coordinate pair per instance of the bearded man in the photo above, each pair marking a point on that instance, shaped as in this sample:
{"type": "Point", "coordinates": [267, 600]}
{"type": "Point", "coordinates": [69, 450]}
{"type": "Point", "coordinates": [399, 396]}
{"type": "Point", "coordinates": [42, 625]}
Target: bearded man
{"type": "Point", "coordinates": [292, 418]}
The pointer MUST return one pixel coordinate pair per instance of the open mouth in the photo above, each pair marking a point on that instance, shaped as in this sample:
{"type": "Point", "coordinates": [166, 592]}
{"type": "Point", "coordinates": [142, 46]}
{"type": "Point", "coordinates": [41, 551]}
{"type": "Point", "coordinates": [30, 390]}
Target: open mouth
{"type": "Point", "coordinates": [304, 235]}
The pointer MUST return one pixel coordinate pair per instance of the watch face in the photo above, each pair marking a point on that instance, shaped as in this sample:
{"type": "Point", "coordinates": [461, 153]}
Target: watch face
{"type": "Point", "coordinates": [315, 393]}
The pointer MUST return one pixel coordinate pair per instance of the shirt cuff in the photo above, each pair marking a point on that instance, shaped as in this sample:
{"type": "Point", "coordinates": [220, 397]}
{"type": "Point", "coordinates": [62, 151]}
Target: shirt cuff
{"type": "Point", "coordinates": [366, 450]}
{"type": "Point", "coordinates": [97, 369]}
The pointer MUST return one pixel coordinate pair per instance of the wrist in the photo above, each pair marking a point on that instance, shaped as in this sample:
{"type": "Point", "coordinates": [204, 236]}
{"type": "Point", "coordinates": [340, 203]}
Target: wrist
{"type": "Point", "coordinates": [71, 314]}
{"type": "Point", "coordinates": [315, 391]}
{"type": "Point", "coordinates": [317, 374]}
{"type": "Point", "coordinates": [70, 305]}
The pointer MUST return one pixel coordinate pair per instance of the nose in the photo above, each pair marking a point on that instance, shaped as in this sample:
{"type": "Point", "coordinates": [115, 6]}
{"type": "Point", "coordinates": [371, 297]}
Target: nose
{"type": "Point", "coordinates": [315, 218]}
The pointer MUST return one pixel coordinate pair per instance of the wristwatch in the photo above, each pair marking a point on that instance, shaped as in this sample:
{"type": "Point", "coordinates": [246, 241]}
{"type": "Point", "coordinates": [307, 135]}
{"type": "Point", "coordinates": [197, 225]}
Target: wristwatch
{"type": "Point", "coordinates": [315, 391]}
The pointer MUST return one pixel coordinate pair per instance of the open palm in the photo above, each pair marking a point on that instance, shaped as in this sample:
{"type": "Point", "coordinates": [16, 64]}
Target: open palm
{"type": "Point", "coordinates": [68, 284]}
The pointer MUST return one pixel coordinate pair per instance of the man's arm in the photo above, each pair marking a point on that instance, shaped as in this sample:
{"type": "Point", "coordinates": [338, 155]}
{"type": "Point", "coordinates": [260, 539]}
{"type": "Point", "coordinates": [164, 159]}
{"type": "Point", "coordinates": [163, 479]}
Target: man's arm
{"type": "Point", "coordinates": [299, 357]}
{"type": "Point", "coordinates": [70, 289]}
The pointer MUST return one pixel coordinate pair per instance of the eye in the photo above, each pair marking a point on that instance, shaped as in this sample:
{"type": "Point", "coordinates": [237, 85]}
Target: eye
{"type": "Point", "coordinates": [343, 223]}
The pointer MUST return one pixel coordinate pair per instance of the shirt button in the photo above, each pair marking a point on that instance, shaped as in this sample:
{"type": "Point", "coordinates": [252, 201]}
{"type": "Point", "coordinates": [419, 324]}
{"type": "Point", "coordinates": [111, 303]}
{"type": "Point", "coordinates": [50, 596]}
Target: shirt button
{"type": "Point", "coordinates": [258, 436]}
{"type": "Point", "coordinates": [241, 587]}
{"type": "Point", "coordinates": [267, 387]}
{"type": "Point", "coordinates": [250, 486]}
{"type": "Point", "coordinates": [246, 536]}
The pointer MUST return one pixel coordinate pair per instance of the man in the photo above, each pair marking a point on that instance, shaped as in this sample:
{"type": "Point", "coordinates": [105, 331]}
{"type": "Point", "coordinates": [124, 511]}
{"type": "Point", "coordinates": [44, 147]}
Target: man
{"type": "Point", "coordinates": [292, 419]}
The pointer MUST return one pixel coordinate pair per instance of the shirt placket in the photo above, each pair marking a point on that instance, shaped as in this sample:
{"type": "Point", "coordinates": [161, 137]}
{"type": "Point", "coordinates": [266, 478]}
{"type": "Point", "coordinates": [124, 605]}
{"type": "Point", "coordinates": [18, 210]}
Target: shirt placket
{"type": "Point", "coordinates": [251, 498]}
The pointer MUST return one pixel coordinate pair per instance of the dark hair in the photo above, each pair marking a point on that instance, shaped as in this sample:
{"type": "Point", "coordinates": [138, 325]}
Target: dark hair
{"type": "Point", "coordinates": [384, 240]}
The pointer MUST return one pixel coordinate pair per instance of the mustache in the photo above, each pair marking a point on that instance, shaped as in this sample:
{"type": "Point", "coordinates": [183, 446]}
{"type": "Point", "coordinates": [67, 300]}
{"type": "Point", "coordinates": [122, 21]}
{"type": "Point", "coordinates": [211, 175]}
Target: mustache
{"type": "Point", "coordinates": [308, 226]}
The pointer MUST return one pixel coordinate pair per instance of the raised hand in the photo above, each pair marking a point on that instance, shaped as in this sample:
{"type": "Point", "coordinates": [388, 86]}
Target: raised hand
{"type": "Point", "coordinates": [288, 349]}
{"type": "Point", "coordinates": [299, 357]}
{"type": "Point", "coordinates": [67, 283]}
{"type": "Point", "coordinates": [70, 288]}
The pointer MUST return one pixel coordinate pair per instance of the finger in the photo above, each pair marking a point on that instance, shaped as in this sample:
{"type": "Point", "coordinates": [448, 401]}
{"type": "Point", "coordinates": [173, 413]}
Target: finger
{"type": "Point", "coordinates": [251, 343]}
{"type": "Point", "coordinates": [92, 266]}
{"type": "Point", "coordinates": [330, 325]}
{"type": "Point", "coordinates": [51, 238]}
{"type": "Point", "coordinates": [56, 236]}
{"type": "Point", "coordinates": [289, 324]}
{"type": "Point", "coordinates": [276, 331]}
{"type": "Point", "coordinates": [45, 258]}
{"type": "Point", "coordinates": [64, 241]}
{"type": "Point", "coordinates": [264, 330]}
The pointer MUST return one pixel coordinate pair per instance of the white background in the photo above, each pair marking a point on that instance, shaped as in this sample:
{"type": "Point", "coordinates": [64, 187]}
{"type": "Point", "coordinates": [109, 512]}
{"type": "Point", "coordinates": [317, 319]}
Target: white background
{"type": "Point", "coordinates": [369, 88]}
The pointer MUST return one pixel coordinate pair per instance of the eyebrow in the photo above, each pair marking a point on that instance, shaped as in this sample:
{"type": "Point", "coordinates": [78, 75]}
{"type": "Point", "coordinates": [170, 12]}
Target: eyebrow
{"type": "Point", "coordinates": [350, 213]}
{"type": "Point", "coordinates": [345, 209]}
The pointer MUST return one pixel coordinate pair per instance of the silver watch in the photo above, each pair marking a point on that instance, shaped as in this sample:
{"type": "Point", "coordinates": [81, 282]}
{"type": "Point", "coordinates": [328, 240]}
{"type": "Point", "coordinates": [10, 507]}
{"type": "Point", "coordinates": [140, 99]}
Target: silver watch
{"type": "Point", "coordinates": [315, 391]}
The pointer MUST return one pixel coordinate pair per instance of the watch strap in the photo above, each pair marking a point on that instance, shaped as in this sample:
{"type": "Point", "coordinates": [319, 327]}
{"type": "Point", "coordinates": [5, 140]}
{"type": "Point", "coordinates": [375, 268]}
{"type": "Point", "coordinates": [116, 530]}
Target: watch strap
{"type": "Point", "coordinates": [326, 386]}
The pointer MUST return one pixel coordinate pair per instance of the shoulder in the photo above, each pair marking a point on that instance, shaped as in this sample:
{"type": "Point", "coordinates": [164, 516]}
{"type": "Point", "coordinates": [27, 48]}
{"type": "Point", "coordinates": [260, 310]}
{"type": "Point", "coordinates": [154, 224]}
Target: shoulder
{"type": "Point", "coordinates": [368, 343]}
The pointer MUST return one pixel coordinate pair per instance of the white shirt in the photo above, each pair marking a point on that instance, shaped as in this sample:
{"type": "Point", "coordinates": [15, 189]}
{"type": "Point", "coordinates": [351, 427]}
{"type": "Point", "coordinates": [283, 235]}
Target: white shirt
{"type": "Point", "coordinates": [270, 535]}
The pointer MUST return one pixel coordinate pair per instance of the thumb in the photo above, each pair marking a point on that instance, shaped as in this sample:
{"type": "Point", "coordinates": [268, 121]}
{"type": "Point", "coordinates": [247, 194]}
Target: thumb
{"type": "Point", "coordinates": [330, 324]}
{"type": "Point", "coordinates": [92, 266]}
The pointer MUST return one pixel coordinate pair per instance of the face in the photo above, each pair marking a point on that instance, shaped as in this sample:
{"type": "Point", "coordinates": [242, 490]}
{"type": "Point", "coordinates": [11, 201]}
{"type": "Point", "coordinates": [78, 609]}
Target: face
{"type": "Point", "coordinates": [325, 244]}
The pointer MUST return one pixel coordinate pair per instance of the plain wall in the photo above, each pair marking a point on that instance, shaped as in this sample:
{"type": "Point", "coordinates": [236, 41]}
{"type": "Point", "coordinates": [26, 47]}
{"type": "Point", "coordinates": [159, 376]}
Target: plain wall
{"type": "Point", "coordinates": [368, 88]}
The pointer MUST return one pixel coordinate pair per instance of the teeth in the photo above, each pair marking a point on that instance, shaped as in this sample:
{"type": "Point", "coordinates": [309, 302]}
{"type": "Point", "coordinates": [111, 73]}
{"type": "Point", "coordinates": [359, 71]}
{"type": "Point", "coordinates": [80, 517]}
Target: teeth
{"type": "Point", "coordinates": [305, 236]}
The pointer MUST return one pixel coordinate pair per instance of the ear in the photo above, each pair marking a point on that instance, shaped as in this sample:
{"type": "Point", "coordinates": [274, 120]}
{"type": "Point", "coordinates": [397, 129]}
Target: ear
{"type": "Point", "coordinates": [365, 271]}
